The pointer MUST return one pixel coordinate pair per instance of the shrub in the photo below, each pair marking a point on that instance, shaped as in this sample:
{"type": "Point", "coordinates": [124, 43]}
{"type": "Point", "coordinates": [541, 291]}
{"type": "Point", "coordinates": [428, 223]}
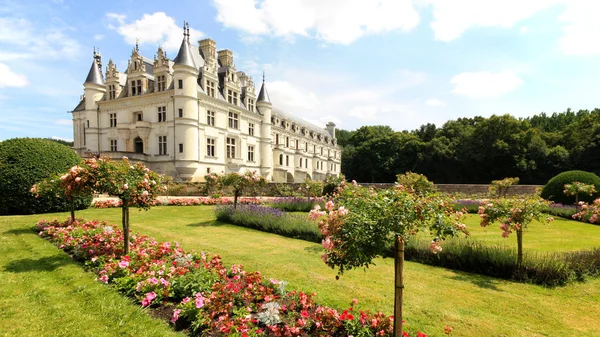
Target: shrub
{"type": "Point", "coordinates": [554, 189]}
{"type": "Point", "coordinates": [499, 188]}
{"type": "Point", "coordinates": [418, 183]}
{"type": "Point", "coordinates": [332, 183]}
{"type": "Point", "coordinates": [27, 161]}
{"type": "Point", "coordinates": [296, 204]}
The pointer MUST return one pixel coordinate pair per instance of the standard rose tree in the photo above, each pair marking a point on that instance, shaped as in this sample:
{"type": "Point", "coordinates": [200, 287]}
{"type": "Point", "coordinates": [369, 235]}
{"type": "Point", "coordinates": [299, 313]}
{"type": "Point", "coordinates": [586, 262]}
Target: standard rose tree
{"type": "Point", "coordinates": [242, 183]}
{"type": "Point", "coordinates": [365, 222]}
{"type": "Point", "coordinates": [576, 189]}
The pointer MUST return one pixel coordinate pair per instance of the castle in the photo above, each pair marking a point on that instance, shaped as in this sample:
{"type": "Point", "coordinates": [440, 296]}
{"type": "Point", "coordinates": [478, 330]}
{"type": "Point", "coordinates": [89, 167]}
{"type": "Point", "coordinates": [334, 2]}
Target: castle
{"type": "Point", "coordinates": [194, 115]}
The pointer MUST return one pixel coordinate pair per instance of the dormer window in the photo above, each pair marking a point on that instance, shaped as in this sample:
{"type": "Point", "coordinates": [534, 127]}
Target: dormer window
{"type": "Point", "coordinates": [250, 105]}
{"type": "Point", "coordinates": [112, 91]}
{"type": "Point", "coordinates": [210, 88]}
{"type": "Point", "coordinates": [232, 97]}
{"type": "Point", "coordinates": [162, 82]}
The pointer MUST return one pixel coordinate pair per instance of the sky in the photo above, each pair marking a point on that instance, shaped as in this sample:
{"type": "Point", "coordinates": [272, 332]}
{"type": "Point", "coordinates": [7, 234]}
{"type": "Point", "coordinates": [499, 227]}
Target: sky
{"type": "Point", "coordinates": [401, 63]}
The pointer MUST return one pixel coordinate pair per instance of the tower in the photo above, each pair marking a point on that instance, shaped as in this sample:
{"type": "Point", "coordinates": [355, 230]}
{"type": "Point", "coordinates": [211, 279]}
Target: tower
{"type": "Point", "coordinates": [263, 105]}
{"type": "Point", "coordinates": [85, 123]}
{"type": "Point", "coordinates": [185, 76]}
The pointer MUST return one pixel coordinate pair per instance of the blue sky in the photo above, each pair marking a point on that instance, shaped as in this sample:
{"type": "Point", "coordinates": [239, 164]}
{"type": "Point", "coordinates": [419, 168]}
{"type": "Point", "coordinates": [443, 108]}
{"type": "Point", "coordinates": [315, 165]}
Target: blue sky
{"type": "Point", "coordinates": [401, 63]}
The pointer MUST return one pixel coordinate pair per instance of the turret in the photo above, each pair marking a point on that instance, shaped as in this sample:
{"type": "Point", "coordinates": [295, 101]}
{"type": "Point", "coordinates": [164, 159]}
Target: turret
{"type": "Point", "coordinates": [263, 105]}
{"type": "Point", "coordinates": [85, 135]}
{"type": "Point", "coordinates": [185, 76]}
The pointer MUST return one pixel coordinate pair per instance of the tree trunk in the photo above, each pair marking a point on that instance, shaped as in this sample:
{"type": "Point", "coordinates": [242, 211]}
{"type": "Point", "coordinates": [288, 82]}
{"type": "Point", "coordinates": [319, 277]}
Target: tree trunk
{"type": "Point", "coordinates": [125, 221]}
{"type": "Point", "coordinates": [577, 202]}
{"type": "Point", "coordinates": [72, 204]}
{"type": "Point", "coordinates": [519, 248]}
{"type": "Point", "coordinates": [399, 282]}
{"type": "Point", "coordinates": [235, 197]}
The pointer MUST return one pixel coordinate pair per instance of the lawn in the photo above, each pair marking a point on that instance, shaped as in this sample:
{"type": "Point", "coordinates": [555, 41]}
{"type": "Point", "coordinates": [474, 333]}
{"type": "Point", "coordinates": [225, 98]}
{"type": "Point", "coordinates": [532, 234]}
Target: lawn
{"type": "Point", "coordinates": [474, 305]}
{"type": "Point", "coordinates": [44, 293]}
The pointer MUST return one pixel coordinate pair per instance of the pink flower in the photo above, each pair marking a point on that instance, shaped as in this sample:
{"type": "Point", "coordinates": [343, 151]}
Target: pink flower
{"type": "Point", "coordinates": [274, 281]}
{"type": "Point", "coordinates": [329, 205]}
{"type": "Point", "coordinates": [175, 315]}
{"type": "Point", "coordinates": [123, 264]}
{"type": "Point", "coordinates": [327, 244]}
{"type": "Point", "coordinates": [342, 211]}
{"type": "Point", "coordinates": [435, 247]}
{"type": "Point", "coordinates": [78, 179]}
{"type": "Point", "coordinates": [199, 301]}
{"type": "Point", "coordinates": [185, 300]}
{"type": "Point", "coordinates": [104, 278]}
{"type": "Point", "coordinates": [324, 258]}
{"type": "Point", "coordinates": [125, 186]}
{"type": "Point", "coordinates": [144, 194]}
{"type": "Point", "coordinates": [148, 299]}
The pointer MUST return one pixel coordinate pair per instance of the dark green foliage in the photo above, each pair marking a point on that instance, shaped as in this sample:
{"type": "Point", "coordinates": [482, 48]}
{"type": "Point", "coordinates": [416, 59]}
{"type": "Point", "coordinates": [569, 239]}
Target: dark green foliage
{"type": "Point", "coordinates": [199, 280]}
{"type": "Point", "coordinates": [26, 161]}
{"type": "Point", "coordinates": [331, 183]}
{"type": "Point", "coordinates": [554, 189]}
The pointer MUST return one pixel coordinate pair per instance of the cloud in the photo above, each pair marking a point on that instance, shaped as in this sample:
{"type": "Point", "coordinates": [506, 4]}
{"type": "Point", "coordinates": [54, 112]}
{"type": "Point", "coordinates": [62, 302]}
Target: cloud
{"type": "Point", "coordinates": [485, 84]}
{"type": "Point", "coordinates": [154, 29]}
{"type": "Point", "coordinates": [364, 113]}
{"type": "Point", "coordinates": [62, 138]}
{"type": "Point", "coordinates": [452, 18]}
{"type": "Point", "coordinates": [581, 33]}
{"type": "Point", "coordinates": [333, 21]}
{"type": "Point", "coordinates": [435, 102]}
{"type": "Point", "coordinates": [63, 122]}
{"type": "Point", "coordinates": [9, 78]}
{"type": "Point", "coordinates": [98, 37]}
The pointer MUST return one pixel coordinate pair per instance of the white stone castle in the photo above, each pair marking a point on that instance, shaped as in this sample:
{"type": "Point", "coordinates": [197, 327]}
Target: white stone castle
{"type": "Point", "coordinates": [194, 115]}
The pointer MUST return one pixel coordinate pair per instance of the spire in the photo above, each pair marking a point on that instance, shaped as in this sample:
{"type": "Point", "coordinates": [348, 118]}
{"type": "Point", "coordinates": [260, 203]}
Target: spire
{"type": "Point", "coordinates": [184, 56]}
{"type": "Point", "coordinates": [95, 74]}
{"type": "Point", "coordinates": [263, 96]}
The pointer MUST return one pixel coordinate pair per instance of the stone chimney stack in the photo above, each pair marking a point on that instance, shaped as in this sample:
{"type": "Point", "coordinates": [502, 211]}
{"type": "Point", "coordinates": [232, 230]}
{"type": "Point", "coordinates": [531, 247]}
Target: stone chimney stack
{"type": "Point", "coordinates": [225, 58]}
{"type": "Point", "coordinates": [331, 129]}
{"type": "Point", "coordinates": [208, 48]}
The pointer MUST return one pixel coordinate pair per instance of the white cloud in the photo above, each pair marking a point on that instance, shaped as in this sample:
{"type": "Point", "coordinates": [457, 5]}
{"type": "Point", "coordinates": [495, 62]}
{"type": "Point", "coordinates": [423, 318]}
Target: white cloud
{"type": "Point", "coordinates": [98, 37]}
{"type": "Point", "coordinates": [485, 84]}
{"type": "Point", "coordinates": [334, 21]}
{"type": "Point", "coordinates": [291, 97]}
{"type": "Point", "coordinates": [62, 138]}
{"type": "Point", "coordinates": [9, 78]}
{"type": "Point", "coordinates": [581, 32]}
{"type": "Point", "coordinates": [156, 28]}
{"type": "Point", "coordinates": [364, 113]}
{"type": "Point", "coordinates": [452, 18]}
{"type": "Point", "coordinates": [63, 121]}
{"type": "Point", "coordinates": [435, 102]}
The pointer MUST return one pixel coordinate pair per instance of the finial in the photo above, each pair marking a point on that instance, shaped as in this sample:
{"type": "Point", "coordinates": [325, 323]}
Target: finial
{"type": "Point", "coordinates": [187, 29]}
{"type": "Point", "coordinates": [137, 44]}
{"type": "Point", "coordinates": [263, 76]}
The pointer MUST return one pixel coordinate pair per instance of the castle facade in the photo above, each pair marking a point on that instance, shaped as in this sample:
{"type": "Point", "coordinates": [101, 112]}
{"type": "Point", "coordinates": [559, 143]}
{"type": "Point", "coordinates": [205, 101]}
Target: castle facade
{"type": "Point", "coordinates": [194, 115]}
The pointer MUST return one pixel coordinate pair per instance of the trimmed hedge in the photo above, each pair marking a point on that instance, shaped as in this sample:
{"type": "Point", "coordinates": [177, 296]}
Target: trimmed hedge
{"type": "Point", "coordinates": [554, 189]}
{"type": "Point", "coordinates": [27, 161]}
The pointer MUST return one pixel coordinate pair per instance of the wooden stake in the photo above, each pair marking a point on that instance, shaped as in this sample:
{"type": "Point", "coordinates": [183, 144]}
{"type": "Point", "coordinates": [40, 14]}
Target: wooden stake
{"type": "Point", "coordinates": [399, 284]}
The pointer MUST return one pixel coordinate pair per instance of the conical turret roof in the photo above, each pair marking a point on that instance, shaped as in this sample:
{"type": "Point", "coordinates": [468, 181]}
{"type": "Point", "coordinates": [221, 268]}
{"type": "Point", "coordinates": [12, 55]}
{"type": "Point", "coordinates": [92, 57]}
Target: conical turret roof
{"type": "Point", "coordinates": [263, 95]}
{"type": "Point", "coordinates": [95, 74]}
{"type": "Point", "coordinates": [184, 56]}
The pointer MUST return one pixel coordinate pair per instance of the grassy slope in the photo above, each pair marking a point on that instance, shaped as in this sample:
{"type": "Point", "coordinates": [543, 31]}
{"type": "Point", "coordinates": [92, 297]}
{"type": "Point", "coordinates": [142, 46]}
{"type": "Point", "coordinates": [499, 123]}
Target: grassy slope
{"type": "Point", "coordinates": [44, 293]}
{"type": "Point", "coordinates": [474, 305]}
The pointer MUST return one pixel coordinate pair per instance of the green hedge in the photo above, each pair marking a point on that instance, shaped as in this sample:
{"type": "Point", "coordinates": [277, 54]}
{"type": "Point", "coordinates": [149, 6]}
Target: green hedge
{"type": "Point", "coordinates": [26, 161]}
{"type": "Point", "coordinates": [554, 188]}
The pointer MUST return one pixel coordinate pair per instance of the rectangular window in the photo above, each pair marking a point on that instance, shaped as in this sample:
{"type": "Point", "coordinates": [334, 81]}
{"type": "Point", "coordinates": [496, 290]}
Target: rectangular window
{"type": "Point", "coordinates": [235, 98]}
{"type": "Point", "coordinates": [180, 112]}
{"type": "Point", "coordinates": [251, 129]}
{"type": "Point", "coordinates": [162, 83]}
{"type": "Point", "coordinates": [230, 147]}
{"type": "Point", "coordinates": [112, 92]}
{"type": "Point", "coordinates": [230, 96]}
{"type": "Point", "coordinates": [210, 88]}
{"type": "Point", "coordinates": [210, 147]}
{"type": "Point", "coordinates": [276, 139]}
{"type": "Point", "coordinates": [113, 145]}
{"type": "Point", "coordinates": [297, 144]}
{"type": "Point", "coordinates": [162, 145]}
{"type": "Point", "coordinates": [251, 105]}
{"type": "Point", "coordinates": [210, 118]}
{"type": "Point", "coordinates": [321, 150]}
{"type": "Point", "coordinates": [88, 123]}
{"type": "Point", "coordinates": [162, 114]}
{"type": "Point", "coordinates": [314, 149]}
{"type": "Point", "coordinates": [287, 141]}
{"type": "Point", "coordinates": [233, 120]}
{"type": "Point", "coordinates": [83, 129]}
{"type": "Point", "coordinates": [138, 117]}
{"type": "Point", "coordinates": [139, 87]}
{"type": "Point", "coordinates": [306, 146]}
{"type": "Point", "coordinates": [306, 163]}
{"type": "Point", "coordinates": [250, 153]}
{"type": "Point", "coordinates": [113, 120]}
{"type": "Point", "coordinates": [180, 84]}
{"type": "Point", "coordinates": [180, 148]}
{"type": "Point", "coordinates": [133, 88]}
{"type": "Point", "coordinates": [287, 160]}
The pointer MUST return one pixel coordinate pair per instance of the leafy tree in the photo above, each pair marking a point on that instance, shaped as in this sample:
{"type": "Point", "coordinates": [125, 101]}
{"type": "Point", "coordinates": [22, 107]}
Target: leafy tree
{"type": "Point", "coordinates": [576, 189]}
{"type": "Point", "coordinates": [416, 183]}
{"type": "Point", "coordinates": [242, 183]}
{"type": "Point", "coordinates": [499, 188]}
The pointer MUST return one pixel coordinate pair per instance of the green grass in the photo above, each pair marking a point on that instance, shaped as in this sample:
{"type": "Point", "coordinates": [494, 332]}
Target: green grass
{"type": "Point", "coordinates": [558, 235]}
{"type": "Point", "coordinates": [474, 305]}
{"type": "Point", "coordinates": [44, 293]}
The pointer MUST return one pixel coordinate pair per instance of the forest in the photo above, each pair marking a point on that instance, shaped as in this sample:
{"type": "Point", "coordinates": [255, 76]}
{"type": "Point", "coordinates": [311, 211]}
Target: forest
{"type": "Point", "coordinates": [476, 150]}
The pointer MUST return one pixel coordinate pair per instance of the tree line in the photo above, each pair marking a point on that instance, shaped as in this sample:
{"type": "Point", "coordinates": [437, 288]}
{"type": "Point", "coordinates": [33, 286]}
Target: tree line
{"type": "Point", "coordinates": [476, 150]}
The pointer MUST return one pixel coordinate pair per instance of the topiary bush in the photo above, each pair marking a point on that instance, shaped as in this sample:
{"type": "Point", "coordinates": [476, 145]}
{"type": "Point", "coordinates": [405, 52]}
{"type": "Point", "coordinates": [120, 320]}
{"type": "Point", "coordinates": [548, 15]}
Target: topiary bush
{"type": "Point", "coordinates": [554, 189]}
{"type": "Point", "coordinates": [27, 161]}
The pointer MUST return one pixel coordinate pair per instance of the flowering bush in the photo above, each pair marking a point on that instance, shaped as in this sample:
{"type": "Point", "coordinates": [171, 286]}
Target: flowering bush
{"type": "Point", "coordinates": [499, 188]}
{"type": "Point", "coordinates": [576, 189]}
{"type": "Point", "coordinates": [242, 183]}
{"type": "Point", "coordinates": [195, 201]}
{"type": "Point", "coordinates": [418, 183]}
{"type": "Point", "coordinates": [514, 215]}
{"type": "Point", "coordinates": [205, 297]}
{"type": "Point", "coordinates": [589, 213]}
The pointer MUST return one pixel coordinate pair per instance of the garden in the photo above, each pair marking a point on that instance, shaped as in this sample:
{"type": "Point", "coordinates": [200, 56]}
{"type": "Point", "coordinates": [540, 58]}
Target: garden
{"type": "Point", "coordinates": [405, 261]}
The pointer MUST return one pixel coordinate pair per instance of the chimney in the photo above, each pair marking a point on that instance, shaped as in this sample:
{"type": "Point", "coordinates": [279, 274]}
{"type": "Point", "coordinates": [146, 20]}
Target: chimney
{"type": "Point", "coordinates": [208, 48]}
{"type": "Point", "coordinates": [331, 129]}
{"type": "Point", "coordinates": [225, 58]}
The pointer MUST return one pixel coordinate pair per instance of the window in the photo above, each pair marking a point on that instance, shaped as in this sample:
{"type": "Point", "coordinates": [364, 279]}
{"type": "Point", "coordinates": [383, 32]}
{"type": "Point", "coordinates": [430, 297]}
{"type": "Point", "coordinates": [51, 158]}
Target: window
{"type": "Point", "coordinates": [138, 117]}
{"type": "Point", "coordinates": [180, 84]}
{"type": "Point", "coordinates": [162, 114]}
{"type": "Point", "coordinates": [287, 141]}
{"type": "Point", "coordinates": [250, 104]}
{"type": "Point", "coordinates": [83, 130]}
{"type": "Point", "coordinates": [162, 83]}
{"type": "Point", "coordinates": [230, 147]}
{"type": "Point", "coordinates": [210, 118]}
{"type": "Point", "coordinates": [210, 147]}
{"type": "Point", "coordinates": [88, 123]}
{"type": "Point", "coordinates": [297, 144]}
{"type": "Point", "coordinates": [281, 159]}
{"type": "Point", "coordinates": [306, 146]}
{"type": "Point", "coordinates": [133, 88]}
{"type": "Point", "coordinates": [300, 162]}
{"type": "Point", "coordinates": [233, 120]}
{"type": "Point", "coordinates": [314, 149]}
{"type": "Point", "coordinates": [276, 139]}
{"type": "Point", "coordinates": [235, 98]}
{"type": "Point", "coordinates": [287, 160]}
{"type": "Point", "coordinates": [180, 111]}
{"type": "Point", "coordinates": [139, 87]}
{"type": "Point", "coordinates": [250, 153]}
{"type": "Point", "coordinates": [113, 145]}
{"type": "Point", "coordinates": [210, 88]}
{"type": "Point", "coordinates": [232, 97]}
{"type": "Point", "coordinates": [306, 163]}
{"type": "Point", "coordinates": [180, 148]}
{"type": "Point", "coordinates": [113, 120]}
{"type": "Point", "coordinates": [251, 129]}
{"type": "Point", "coordinates": [112, 91]}
{"type": "Point", "coordinates": [321, 150]}
{"type": "Point", "coordinates": [162, 145]}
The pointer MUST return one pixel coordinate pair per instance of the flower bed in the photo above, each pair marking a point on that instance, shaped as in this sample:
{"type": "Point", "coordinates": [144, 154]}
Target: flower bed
{"type": "Point", "coordinates": [589, 213]}
{"type": "Point", "coordinates": [200, 294]}
{"type": "Point", "coordinates": [113, 203]}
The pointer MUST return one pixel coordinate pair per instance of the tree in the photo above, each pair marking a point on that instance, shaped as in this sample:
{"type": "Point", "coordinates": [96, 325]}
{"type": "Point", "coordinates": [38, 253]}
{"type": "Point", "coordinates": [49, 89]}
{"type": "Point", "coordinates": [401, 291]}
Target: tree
{"type": "Point", "coordinates": [364, 222]}
{"type": "Point", "coordinates": [241, 183]}
{"type": "Point", "coordinates": [500, 187]}
{"type": "Point", "coordinates": [134, 184]}
{"type": "Point", "coordinates": [514, 215]}
{"type": "Point", "coordinates": [576, 188]}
